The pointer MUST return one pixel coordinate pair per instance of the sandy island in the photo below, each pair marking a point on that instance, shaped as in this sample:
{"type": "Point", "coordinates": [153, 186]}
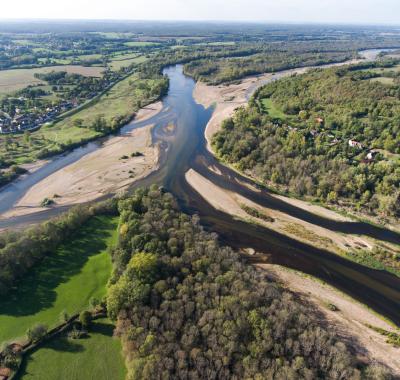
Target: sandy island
{"type": "Point", "coordinates": [109, 169]}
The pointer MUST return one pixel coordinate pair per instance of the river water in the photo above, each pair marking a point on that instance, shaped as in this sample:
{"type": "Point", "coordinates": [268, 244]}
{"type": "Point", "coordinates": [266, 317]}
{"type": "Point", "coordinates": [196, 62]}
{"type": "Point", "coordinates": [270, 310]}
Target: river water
{"type": "Point", "coordinates": [185, 149]}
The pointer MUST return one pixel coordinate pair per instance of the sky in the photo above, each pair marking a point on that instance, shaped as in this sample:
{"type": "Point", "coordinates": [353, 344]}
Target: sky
{"type": "Point", "coordinates": [316, 11]}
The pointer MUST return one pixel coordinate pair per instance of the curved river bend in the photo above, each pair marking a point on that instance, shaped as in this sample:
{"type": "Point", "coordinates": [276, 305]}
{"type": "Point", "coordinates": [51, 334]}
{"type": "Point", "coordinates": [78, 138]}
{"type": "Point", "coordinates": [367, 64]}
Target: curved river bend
{"type": "Point", "coordinates": [186, 149]}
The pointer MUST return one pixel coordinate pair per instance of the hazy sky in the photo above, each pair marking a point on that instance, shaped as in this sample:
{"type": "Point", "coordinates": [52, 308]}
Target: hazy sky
{"type": "Point", "coordinates": [347, 11]}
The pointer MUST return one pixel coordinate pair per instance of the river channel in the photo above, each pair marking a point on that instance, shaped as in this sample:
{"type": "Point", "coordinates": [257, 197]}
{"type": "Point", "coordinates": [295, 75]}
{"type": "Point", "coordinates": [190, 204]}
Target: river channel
{"type": "Point", "coordinates": [185, 149]}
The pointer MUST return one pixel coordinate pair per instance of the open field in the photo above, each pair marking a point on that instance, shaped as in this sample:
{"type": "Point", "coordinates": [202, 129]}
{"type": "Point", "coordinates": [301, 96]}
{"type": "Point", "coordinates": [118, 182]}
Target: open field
{"type": "Point", "coordinates": [97, 357]}
{"type": "Point", "coordinates": [65, 280]}
{"type": "Point", "coordinates": [17, 79]}
{"type": "Point", "coordinates": [117, 64]}
{"type": "Point", "coordinates": [140, 43]}
{"type": "Point", "coordinates": [272, 110]}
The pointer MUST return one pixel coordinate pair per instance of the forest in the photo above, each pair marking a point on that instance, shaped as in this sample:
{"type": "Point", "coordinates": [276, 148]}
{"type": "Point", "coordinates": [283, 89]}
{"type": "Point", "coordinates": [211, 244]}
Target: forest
{"type": "Point", "coordinates": [186, 307]}
{"type": "Point", "coordinates": [331, 135]}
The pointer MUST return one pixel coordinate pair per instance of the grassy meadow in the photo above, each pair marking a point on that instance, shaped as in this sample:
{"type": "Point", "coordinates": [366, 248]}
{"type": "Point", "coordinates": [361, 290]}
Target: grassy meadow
{"type": "Point", "coordinates": [272, 110]}
{"type": "Point", "coordinates": [117, 64]}
{"type": "Point", "coordinates": [65, 280]}
{"type": "Point", "coordinates": [17, 79]}
{"type": "Point", "coordinates": [97, 357]}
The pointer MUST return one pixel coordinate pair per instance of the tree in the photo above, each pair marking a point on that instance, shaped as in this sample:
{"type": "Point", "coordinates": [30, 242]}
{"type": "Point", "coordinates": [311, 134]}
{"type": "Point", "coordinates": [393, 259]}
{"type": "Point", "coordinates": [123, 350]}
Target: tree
{"type": "Point", "coordinates": [37, 332]}
{"type": "Point", "coordinates": [85, 318]}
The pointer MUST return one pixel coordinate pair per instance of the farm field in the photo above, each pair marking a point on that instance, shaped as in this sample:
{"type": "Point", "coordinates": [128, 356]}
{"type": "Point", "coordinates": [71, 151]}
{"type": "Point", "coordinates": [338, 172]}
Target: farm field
{"type": "Point", "coordinates": [140, 43]}
{"type": "Point", "coordinates": [117, 64]}
{"type": "Point", "coordinates": [17, 79]}
{"type": "Point", "coordinates": [96, 357]}
{"type": "Point", "coordinates": [57, 284]}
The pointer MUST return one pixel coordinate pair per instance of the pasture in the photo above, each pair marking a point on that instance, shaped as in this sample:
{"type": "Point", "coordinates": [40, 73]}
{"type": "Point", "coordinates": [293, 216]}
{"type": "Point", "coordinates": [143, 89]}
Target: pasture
{"type": "Point", "coordinates": [17, 79]}
{"type": "Point", "coordinates": [97, 357]}
{"type": "Point", "coordinates": [117, 64]}
{"type": "Point", "coordinates": [66, 280]}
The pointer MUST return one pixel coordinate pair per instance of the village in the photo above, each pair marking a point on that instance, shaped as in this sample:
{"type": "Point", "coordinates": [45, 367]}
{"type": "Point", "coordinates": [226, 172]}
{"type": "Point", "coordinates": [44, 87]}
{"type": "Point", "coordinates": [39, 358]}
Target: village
{"type": "Point", "coordinates": [369, 157]}
{"type": "Point", "coordinates": [29, 121]}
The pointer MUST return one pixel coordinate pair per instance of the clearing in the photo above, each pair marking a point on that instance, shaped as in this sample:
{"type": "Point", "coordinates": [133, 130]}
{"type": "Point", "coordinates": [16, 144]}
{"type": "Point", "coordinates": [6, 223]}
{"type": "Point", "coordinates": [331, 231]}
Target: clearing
{"type": "Point", "coordinates": [66, 280]}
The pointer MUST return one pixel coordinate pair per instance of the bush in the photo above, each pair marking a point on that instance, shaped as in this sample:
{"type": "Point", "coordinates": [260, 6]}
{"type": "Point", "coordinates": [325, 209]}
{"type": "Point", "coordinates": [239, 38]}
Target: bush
{"type": "Point", "coordinates": [85, 318]}
{"type": "Point", "coordinates": [36, 333]}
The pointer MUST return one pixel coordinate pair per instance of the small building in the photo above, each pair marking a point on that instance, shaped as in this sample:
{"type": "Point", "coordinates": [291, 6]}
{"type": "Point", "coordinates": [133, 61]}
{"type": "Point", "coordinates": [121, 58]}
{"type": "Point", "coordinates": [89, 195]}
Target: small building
{"type": "Point", "coordinates": [355, 144]}
{"type": "Point", "coordinates": [371, 155]}
{"type": "Point", "coordinates": [319, 120]}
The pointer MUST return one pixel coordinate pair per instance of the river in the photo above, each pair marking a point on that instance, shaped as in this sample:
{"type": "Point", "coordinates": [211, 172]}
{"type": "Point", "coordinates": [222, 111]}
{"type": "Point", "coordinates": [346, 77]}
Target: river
{"type": "Point", "coordinates": [185, 149]}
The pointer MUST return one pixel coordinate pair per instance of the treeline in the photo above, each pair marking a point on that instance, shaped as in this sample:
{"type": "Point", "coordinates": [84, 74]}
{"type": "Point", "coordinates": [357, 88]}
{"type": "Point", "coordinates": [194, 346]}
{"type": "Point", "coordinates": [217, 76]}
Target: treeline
{"type": "Point", "coordinates": [308, 152]}
{"type": "Point", "coordinates": [20, 251]}
{"type": "Point", "coordinates": [187, 308]}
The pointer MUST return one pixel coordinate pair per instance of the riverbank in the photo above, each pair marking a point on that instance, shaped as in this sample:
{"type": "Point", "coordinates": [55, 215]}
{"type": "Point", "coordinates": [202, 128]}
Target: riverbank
{"type": "Point", "coordinates": [347, 317]}
{"type": "Point", "coordinates": [243, 208]}
{"type": "Point", "coordinates": [109, 169]}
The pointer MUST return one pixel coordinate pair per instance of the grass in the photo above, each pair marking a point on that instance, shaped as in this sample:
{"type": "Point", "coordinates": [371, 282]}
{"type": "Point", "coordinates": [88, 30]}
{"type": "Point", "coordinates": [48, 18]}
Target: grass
{"type": "Point", "coordinates": [140, 43]}
{"type": "Point", "coordinates": [119, 101]}
{"type": "Point", "coordinates": [256, 213]}
{"type": "Point", "coordinates": [305, 234]}
{"type": "Point", "coordinates": [380, 259]}
{"type": "Point", "coordinates": [17, 79]}
{"type": "Point", "coordinates": [65, 280]}
{"type": "Point", "coordinates": [118, 64]}
{"type": "Point", "coordinates": [272, 110]}
{"type": "Point", "coordinates": [97, 357]}
{"type": "Point", "coordinates": [383, 80]}
{"type": "Point", "coordinates": [392, 337]}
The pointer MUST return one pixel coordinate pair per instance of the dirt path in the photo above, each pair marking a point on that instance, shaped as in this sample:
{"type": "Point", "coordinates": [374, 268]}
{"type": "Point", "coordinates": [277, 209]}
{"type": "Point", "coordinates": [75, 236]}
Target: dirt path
{"type": "Point", "coordinates": [349, 321]}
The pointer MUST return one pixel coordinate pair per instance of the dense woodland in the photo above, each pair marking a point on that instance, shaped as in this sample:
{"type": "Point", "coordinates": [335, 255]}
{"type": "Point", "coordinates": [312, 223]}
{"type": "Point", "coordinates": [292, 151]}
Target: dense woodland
{"type": "Point", "coordinates": [295, 134]}
{"type": "Point", "coordinates": [187, 308]}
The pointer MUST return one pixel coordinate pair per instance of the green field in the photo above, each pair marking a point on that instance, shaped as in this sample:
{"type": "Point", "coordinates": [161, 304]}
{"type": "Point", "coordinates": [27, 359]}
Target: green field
{"type": "Point", "coordinates": [117, 64]}
{"type": "Point", "coordinates": [273, 110]}
{"type": "Point", "coordinates": [65, 280]}
{"type": "Point", "coordinates": [140, 43]}
{"type": "Point", "coordinates": [98, 357]}
{"type": "Point", "coordinates": [17, 79]}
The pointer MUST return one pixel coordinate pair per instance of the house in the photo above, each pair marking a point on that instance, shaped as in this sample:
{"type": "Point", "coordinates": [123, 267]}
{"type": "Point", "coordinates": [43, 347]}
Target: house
{"type": "Point", "coordinates": [371, 155]}
{"type": "Point", "coordinates": [319, 120]}
{"type": "Point", "coordinates": [355, 144]}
